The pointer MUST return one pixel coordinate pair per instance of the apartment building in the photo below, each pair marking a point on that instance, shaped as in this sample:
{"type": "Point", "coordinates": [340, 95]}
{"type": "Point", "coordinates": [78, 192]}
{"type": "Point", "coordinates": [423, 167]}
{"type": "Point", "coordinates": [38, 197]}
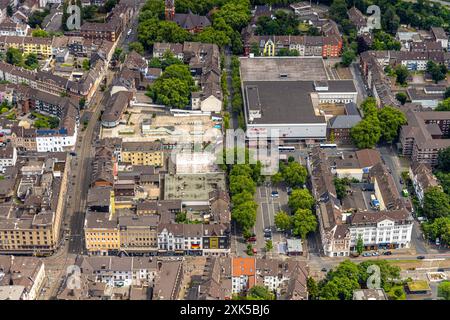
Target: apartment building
{"type": "Point", "coordinates": [358, 20]}
{"type": "Point", "coordinates": [102, 235]}
{"type": "Point", "coordinates": [422, 178]}
{"type": "Point", "coordinates": [243, 274]}
{"type": "Point", "coordinates": [24, 139]}
{"type": "Point", "coordinates": [341, 223]}
{"type": "Point", "coordinates": [389, 229]}
{"type": "Point", "coordinates": [168, 281]}
{"type": "Point", "coordinates": [119, 271]}
{"type": "Point", "coordinates": [34, 226]}
{"type": "Point", "coordinates": [25, 274]}
{"type": "Point", "coordinates": [42, 47]}
{"type": "Point", "coordinates": [138, 233]}
{"type": "Point", "coordinates": [142, 153]}
{"type": "Point", "coordinates": [8, 27]}
{"type": "Point", "coordinates": [8, 155]}
{"type": "Point", "coordinates": [160, 48]}
{"type": "Point", "coordinates": [440, 36]}
{"type": "Point", "coordinates": [424, 135]}
{"type": "Point", "coordinates": [216, 239]}
{"type": "Point", "coordinates": [180, 238]}
{"type": "Point", "coordinates": [324, 46]}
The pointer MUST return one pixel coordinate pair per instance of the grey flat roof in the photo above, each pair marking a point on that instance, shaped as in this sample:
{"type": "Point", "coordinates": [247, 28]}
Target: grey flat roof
{"type": "Point", "coordinates": [284, 102]}
{"type": "Point", "coordinates": [270, 68]}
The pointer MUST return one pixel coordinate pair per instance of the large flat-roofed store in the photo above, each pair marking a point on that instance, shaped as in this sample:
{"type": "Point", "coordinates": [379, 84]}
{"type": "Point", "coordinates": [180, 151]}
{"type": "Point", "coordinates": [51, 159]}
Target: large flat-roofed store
{"type": "Point", "coordinates": [292, 95]}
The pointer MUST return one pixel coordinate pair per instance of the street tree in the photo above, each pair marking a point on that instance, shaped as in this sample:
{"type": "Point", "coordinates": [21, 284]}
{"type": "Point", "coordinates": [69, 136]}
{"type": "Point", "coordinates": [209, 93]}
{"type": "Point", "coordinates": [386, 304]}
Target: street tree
{"type": "Point", "coordinates": [283, 221]}
{"type": "Point", "coordinates": [436, 203]}
{"type": "Point", "coordinates": [443, 161]}
{"type": "Point", "coordinates": [347, 57]}
{"type": "Point", "coordinates": [170, 92]}
{"type": "Point", "coordinates": [402, 74]}
{"type": "Point", "coordinates": [444, 290]}
{"type": "Point", "coordinates": [360, 245]}
{"type": "Point", "coordinates": [313, 288]}
{"type": "Point", "coordinates": [401, 97]}
{"type": "Point", "coordinates": [443, 105]}
{"type": "Point", "coordinates": [366, 133]}
{"type": "Point", "coordinates": [241, 183]}
{"type": "Point", "coordinates": [269, 245]}
{"type": "Point", "coordinates": [260, 293]}
{"type": "Point", "coordinates": [245, 214]}
{"type": "Point", "coordinates": [300, 199]}
{"type": "Point", "coordinates": [390, 119]}
{"type": "Point", "coordinates": [303, 222]}
{"type": "Point", "coordinates": [294, 174]}
{"type": "Point", "coordinates": [136, 46]}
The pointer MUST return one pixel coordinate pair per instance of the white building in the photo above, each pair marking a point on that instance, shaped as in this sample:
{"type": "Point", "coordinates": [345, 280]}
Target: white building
{"type": "Point", "coordinates": [120, 271]}
{"type": "Point", "coordinates": [8, 156]}
{"type": "Point", "coordinates": [180, 238]}
{"type": "Point", "coordinates": [10, 28]}
{"type": "Point", "coordinates": [422, 178]}
{"type": "Point", "coordinates": [55, 142]}
{"type": "Point", "coordinates": [292, 107]}
{"type": "Point", "coordinates": [243, 274]}
{"type": "Point", "coordinates": [389, 229]}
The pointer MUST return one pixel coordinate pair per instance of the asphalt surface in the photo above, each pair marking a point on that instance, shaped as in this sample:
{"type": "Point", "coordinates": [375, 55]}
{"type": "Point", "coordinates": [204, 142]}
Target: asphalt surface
{"type": "Point", "coordinates": [268, 207]}
{"type": "Point", "coordinates": [359, 82]}
{"type": "Point", "coordinates": [390, 158]}
{"type": "Point", "coordinates": [82, 163]}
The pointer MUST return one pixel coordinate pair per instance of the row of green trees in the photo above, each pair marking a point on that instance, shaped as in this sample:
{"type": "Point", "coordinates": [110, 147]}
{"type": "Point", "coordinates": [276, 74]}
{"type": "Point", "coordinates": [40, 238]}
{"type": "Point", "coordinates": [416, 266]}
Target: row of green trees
{"type": "Point", "coordinates": [228, 19]}
{"type": "Point", "coordinates": [243, 179]}
{"type": "Point", "coordinates": [436, 202]}
{"type": "Point", "coordinates": [292, 173]}
{"type": "Point", "coordinates": [340, 283]}
{"type": "Point", "coordinates": [237, 103]}
{"type": "Point", "coordinates": [302, 221]}
{"type": "Point", "coordinates": [301, 202]}
{"type": "Point", "coordinates": [377, 125]}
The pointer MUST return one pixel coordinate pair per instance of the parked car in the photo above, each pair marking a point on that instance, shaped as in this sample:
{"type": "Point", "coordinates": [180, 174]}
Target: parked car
{"type": "Point", "coordinates": [366, 254]}
{"type": "Point", "coordinates": [375, 254]}
{"type": "Point", "coordinates": [324, 270]}
{"type": "Point", "coordinates": [387, 253]}
{"type": "Point", "coordinates": [251, 239]}
{"type": "Point", "coordinates": [255, 251]}
{"type": "Point", "coordinates": [401, 181]}
{"type": "Point", "coordinates": [421, 257]}
{"type": "Point", "coordinates": [275, 194]}
{"type": "Point", "coordinates": [440, 270]}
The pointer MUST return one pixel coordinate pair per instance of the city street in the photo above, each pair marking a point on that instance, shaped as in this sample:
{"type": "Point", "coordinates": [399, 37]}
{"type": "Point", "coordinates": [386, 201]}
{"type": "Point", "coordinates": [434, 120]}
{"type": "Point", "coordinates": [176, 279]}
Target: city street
{"type": "Point", "coordinates": [268, 207]}
{"type": "Point", "coordinates": [359, 83]}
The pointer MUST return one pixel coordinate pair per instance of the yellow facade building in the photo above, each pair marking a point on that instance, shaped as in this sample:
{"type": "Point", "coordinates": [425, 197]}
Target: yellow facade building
{"type": "Point", "coordinates": [101, 233]}
{"type": "Point", "coordinates": [39, 46]}
{"type": "Point", "coordinates": [142, 153]}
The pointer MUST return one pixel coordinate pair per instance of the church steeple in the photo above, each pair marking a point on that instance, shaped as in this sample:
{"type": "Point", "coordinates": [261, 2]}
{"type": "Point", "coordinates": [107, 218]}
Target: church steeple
{"type": "Point", "coordinates": [169, 9]}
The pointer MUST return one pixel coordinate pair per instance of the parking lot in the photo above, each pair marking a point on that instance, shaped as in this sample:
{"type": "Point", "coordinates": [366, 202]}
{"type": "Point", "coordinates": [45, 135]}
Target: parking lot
{"type": "Point", "coordinates": [268, 206]}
